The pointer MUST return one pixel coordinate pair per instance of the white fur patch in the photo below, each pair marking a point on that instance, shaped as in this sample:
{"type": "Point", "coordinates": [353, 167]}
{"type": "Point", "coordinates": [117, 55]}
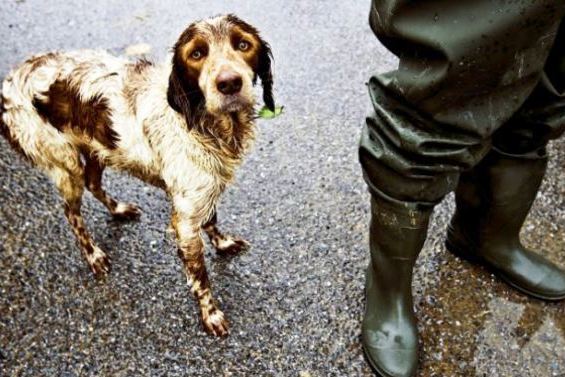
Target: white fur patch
{"type": "Point", "coordinates": [122, 207]}
{"type": "Point", "coordinates": [217, 318]}
{"type": "Point", "coordinates": [225, 243]}
{"type": "Point", "coordinates": [97, 254]}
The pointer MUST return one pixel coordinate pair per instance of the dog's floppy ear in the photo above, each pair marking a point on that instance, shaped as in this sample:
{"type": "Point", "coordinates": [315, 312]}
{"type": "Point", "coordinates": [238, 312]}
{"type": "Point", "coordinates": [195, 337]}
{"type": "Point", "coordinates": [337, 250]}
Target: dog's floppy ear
{"type": "Point", "coordinates": [184, 94]}
{"type": "Point", "coordinates": [184, 97]}
{"type": "Point", "coordinates": [265, 73]}
{"type": "Point", "coordinates": [177, 97]}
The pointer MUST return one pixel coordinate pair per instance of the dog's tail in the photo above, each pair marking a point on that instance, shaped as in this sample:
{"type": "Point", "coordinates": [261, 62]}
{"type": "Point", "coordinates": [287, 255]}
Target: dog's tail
{"type": "Point", "coordinates": [5, 131]}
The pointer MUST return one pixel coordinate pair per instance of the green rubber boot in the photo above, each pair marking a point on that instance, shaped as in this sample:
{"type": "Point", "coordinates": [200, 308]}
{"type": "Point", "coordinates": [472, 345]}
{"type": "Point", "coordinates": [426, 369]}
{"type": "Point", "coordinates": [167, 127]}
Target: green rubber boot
{"type": "Point", "coordinates": [389, 334]}
{"type": "Point", "coordinates": [493, 201]}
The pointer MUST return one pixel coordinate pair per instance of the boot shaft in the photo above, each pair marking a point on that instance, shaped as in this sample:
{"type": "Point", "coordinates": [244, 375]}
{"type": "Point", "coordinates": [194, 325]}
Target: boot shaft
{"type": "Point", "coordinates": [397, 234]}
{"type": "Point", "coordinates": [494, 199]}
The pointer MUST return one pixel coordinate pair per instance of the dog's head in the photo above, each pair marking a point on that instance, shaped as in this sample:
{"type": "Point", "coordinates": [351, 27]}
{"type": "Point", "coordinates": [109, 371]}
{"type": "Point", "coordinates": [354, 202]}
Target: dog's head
{"type": "Point", "coordinates": [216, 63]}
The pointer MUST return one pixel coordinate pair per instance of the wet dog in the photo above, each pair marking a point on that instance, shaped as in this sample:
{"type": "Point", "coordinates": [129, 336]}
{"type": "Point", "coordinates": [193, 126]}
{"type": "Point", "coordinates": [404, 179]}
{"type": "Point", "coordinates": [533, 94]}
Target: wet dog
{"type": "Point", "coordinates": [183, 126]}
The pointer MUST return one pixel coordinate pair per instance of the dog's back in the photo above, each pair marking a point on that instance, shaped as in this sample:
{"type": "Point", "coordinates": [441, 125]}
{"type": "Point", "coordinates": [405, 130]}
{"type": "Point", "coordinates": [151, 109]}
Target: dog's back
{"type": "Point", "coordinates": [52, 96]}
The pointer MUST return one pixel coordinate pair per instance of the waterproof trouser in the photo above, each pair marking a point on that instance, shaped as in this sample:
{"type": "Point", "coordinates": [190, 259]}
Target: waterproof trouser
{"type": "Point", "coordinates": [473, 75]}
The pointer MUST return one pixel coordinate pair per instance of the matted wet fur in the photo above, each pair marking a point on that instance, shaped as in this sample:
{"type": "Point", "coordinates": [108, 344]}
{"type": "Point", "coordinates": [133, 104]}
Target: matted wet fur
{"type": "Point", "coordinates": [183, 126]}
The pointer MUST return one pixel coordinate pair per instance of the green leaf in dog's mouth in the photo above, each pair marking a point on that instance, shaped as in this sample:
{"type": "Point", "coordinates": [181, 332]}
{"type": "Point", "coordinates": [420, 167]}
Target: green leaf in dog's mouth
{"type": "Point", "coordinates": [266, 113]}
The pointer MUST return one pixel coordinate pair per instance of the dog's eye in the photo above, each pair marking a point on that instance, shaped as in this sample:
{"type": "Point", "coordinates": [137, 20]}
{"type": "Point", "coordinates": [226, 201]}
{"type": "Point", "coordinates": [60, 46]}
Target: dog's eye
{"type": "Point", "coordinates": [196, 55]}
{"type": "Point", "coordinates": [243, 46]}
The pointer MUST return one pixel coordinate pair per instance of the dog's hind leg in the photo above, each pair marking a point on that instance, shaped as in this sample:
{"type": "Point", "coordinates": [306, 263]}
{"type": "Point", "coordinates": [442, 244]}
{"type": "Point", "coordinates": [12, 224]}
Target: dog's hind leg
{"type": "Point", "coordinates": [93, 179]}
{"type": "Point", "coordinates": [70, 183]}
{"type": "Point", "coordinates": [224, 244]}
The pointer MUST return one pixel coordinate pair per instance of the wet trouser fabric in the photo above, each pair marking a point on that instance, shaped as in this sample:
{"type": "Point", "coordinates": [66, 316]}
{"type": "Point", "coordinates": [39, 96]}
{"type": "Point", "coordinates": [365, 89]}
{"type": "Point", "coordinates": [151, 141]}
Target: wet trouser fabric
{"type": "Point", "coordinates": [472, 75]}
{"type": "Point", "coordinates": [476, 78]}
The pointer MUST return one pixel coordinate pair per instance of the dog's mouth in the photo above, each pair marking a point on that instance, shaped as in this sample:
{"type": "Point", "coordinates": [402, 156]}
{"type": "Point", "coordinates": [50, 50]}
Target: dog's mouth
{"type": "Point", "coordinates": [234, 103]}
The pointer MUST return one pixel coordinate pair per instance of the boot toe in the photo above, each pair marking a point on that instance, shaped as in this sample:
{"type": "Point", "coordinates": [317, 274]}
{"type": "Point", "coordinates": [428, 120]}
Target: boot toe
{"type": "Point", "coordinates": [389, 362]}
{"type": "Point", "coordinates": [536, 276]}
{"type": "Point", "coordinates": [552, 287]}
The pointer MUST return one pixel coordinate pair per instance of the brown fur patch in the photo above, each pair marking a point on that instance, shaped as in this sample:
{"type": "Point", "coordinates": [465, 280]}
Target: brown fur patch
{"type": "Point", "coordinates": [184, 94]}
{"type": "Point", "coordinates": [251, 56]}
{"type": "Point", "coordinates": [64, 109]}
{"type": "Point", "coordinates": [39, 60]}
{"type": "Point", "coordinates": [72, 212]}
{"type": "Point", "coordinates": [93, 179]}
{"type": "Point", "coordinates": [141, 65]}
{"type": "Point", "coordinates": [260, 60]}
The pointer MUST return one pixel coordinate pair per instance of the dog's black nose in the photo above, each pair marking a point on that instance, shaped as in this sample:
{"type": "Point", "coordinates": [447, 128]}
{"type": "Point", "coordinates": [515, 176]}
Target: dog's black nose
{"type": "Point", "coordinates": [229, 82]}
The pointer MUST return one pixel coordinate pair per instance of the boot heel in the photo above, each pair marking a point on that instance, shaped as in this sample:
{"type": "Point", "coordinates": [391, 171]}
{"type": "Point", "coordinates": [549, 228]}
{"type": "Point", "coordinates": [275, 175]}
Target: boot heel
{"type": "Point", "coordinates": [454, 243]}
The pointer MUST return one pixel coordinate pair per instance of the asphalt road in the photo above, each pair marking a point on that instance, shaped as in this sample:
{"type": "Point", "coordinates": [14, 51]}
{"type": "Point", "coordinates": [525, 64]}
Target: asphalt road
{"type": "Point", "coordinates": [295, 299]}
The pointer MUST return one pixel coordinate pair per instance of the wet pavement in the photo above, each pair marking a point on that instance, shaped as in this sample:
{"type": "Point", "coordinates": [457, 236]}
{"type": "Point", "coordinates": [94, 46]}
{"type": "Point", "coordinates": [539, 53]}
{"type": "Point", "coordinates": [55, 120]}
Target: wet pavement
{"type": "Point", "coordinates": [295, 299]}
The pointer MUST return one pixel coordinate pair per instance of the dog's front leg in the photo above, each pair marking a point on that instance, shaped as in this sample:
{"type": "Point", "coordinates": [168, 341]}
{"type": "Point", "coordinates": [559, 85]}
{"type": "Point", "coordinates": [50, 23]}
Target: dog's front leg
{"type": "Point", "coordinates": [187, 224]}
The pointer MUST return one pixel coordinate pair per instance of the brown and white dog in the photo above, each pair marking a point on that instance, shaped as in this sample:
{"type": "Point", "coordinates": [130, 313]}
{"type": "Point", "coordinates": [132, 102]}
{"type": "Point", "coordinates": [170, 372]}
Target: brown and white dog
{"type": "Point", "coordinates": [183, 126]}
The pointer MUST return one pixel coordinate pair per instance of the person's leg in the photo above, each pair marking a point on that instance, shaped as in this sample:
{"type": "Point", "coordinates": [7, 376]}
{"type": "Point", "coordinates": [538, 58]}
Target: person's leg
{"type": "Point", "coordinates": [465, 68]}
{"type": "Point", "coordinates": [495, 197]}
{"type": "Point", "coordinates": [397, 233]}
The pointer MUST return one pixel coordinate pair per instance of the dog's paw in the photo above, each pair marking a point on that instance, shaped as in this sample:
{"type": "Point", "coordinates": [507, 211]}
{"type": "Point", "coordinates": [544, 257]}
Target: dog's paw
{"type": "Point", "coordinates": [99, 262]}
{"type": "Point", "coordinates": [231, 245]}
{"type": "Point", "coordinates": [126, 211]}
{"type": "Point", "coordinates": [215, 323]}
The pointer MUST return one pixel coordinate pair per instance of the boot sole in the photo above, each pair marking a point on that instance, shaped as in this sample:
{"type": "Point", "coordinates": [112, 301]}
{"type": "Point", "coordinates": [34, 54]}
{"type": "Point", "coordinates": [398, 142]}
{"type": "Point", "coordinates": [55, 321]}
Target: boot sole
{"type": "Point", "coordinates": [475, 259]}
{"type": "Point", "coordinates": [372, 364]}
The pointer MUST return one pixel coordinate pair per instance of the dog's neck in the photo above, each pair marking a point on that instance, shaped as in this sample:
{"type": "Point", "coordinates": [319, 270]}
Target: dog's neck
{"type": "Point", "coordinates": [226, 137]}
{"type": "Point", "coordinates": [233, 130]}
